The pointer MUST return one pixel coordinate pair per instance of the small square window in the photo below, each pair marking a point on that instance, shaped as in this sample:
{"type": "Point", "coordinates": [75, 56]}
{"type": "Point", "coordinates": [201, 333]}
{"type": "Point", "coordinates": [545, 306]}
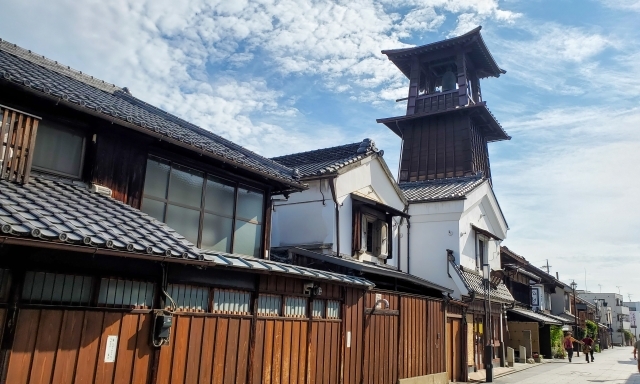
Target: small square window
{"type": "Point", "coordinates": [59, 150]}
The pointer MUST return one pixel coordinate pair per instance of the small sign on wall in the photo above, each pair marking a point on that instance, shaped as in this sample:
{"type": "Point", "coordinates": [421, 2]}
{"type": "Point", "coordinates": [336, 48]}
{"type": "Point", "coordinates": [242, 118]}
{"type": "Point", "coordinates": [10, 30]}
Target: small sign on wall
{"type": "Point", "coordinates": [535, 297]}
{"type": "Point", "coordinates": [378, 298]}
{"type": "Point", "coordinates": [110, 349]}
{"type": "Point", "coordinates": [349, 339]}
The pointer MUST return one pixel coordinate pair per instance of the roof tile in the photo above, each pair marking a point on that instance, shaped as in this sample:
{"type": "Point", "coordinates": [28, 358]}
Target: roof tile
{"type": "Point", "coordinates": [29, 70]}
{"type": "Point", "coordinates": [474, 283]}
{"type": "Point", "coordinates": [441, 189]}
{"type": "Point", "coordinates": [328, 160]}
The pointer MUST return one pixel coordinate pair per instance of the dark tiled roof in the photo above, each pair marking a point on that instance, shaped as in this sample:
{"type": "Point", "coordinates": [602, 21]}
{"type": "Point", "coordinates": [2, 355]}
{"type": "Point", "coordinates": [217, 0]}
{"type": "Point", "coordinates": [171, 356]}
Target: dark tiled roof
{"type": "Point", "coordinates": [441, 189]}
{"type": "Point", "coordinates": [473, 282]}
{"type": "Point", "coordinates": [68, 213]}
{"type": "Point", "coordinates": [478, 51]}
{"type": "Point", "coordinates": [328, 160]}
{"type": "Point", "coordinates": [37, 73]}
{"type": "Point", "coordinates": [560, 319]}
{"type": "Point", "coordinates": [539, 317]}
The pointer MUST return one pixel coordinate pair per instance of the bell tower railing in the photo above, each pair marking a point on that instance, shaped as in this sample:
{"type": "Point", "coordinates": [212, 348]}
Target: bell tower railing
{"type": "Point", "coordinates": [18, 137]}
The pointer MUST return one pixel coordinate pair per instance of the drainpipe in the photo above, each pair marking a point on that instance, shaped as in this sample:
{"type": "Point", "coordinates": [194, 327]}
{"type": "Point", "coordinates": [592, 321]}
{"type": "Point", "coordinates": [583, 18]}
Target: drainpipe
{"type": "Point", "coordinates": [408, 245]}
{"type": "Point", "coordinates": [332, 185]}
{"type": "Point", "coordinates": [502, 359]}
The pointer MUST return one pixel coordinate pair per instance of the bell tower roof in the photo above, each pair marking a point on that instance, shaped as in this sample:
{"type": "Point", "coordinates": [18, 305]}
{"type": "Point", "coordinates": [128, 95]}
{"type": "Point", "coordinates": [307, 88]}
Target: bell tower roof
{"type": "Point", "coordinates": [472, 42]}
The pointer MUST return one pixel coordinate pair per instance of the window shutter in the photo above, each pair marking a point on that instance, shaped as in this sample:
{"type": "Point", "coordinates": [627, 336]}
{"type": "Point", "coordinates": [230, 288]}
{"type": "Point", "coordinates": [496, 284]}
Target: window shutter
{"type": "Point", "coordinates": [17, 139]}
{"type": "Point", "coordinates": [357, 231]}
{"type": "Point", "coordinates": [384, 239]}
{"type": "Point", "coordinates": [390, 237]}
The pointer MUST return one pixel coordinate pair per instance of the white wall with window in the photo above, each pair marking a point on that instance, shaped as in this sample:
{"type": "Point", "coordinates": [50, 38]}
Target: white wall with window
{"type": "Point", "coordinates": [211, 212]}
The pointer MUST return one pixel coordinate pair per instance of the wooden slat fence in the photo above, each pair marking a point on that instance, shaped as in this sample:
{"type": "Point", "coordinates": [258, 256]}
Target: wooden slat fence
{"type": "Point", "coordinates": [18, 132]}
{"type": "Point", "coordinates": [68, 346]}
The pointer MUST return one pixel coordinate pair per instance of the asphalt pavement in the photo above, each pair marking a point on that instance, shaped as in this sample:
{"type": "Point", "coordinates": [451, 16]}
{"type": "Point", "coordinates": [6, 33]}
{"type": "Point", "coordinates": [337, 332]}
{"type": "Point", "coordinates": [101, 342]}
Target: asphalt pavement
{"type": "Point", "coordinates": [612, 366]}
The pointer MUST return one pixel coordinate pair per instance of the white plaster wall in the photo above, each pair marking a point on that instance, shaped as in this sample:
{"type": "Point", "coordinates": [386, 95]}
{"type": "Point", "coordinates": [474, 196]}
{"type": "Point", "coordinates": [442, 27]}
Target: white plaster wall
{"type": "Point", "coordinates": [303, 219]}
{"type": "Point", "coordinates": [434, 229]}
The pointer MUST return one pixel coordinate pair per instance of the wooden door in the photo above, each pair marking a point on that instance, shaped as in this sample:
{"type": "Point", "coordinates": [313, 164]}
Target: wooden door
{"type": "Point", "coordinates": [80, 346]}
{"type": "Point", "coordinates": [381, 325]}
{"type": "Point", "coordinates": [454, 349]}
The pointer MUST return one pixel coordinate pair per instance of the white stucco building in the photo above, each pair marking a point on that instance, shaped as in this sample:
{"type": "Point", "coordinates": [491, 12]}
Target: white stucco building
{"type": "Point", "coordinates": [619, 312]}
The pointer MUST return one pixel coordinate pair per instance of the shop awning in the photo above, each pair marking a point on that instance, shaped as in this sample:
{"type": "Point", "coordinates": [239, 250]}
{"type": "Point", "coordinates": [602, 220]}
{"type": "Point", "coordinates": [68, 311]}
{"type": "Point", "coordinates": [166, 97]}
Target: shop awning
{"type": "Point", "coordinates": [539, 317]}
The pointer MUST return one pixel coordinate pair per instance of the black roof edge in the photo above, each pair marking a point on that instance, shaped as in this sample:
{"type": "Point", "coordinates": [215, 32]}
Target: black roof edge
{"type": "Point", "coordinates": [393, 211]}
{"type": "Point", "coordinates": [362, 267]}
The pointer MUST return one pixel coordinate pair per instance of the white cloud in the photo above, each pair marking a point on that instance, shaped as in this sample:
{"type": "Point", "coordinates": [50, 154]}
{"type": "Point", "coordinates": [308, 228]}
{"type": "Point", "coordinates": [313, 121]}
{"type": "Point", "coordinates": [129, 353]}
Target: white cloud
{"type": "Point", "coordinates": [633, 5]}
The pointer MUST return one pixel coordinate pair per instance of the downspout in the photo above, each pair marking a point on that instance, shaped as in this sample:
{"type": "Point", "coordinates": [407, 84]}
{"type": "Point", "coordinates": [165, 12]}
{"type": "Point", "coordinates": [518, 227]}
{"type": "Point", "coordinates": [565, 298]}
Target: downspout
{"type": "Point", "coordinates": [408, 245]}
{"type": "Point", "coordinates": [332, 185]}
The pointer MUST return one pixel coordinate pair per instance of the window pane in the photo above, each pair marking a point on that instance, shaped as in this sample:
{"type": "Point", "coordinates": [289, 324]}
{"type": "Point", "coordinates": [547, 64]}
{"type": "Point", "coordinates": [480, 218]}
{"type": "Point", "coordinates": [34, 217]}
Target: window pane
{"type": "Point", "coordinates": [249, 205]}
{"type": "Point", "coordinates": [157, 178]}
{"type": "Point", "coordinates": [185, 221]}
{"type": "Point", "coordinates": [247, 238]}
{"type": "Point", "coordinates": [219, 197]}
{"type": "Point", "coordinates": [186, 186]}
{"type": "Point", "coordinates": [216, 233]}
{"type": "Point", "coordinates": [153, 208]}
{"type": "Point", "coordinates": [58, 150]}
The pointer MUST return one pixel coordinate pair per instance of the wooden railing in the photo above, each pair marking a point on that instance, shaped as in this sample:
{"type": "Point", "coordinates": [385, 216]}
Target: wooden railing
{"type": "Point", "coordinates": [437, 101]}
{"type": "Point", "coordinates": [18, 137]}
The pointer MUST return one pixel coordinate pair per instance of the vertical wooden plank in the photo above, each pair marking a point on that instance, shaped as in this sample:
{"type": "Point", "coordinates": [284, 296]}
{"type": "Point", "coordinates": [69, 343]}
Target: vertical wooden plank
{"type": "Point", "coordinates": [277, 352]}
{"type": "Point", "coordinates": [163, 373]}
{"type": "Point", "coordinates": [17, 148]}
{"type": "Point", "coordinates": [89, 347]}
{"type": "Point", "coordinates": [303, 349]}
{"type": "Point", "coordinates": [68, 346]}
{"type": "Point", "coordinates": [9, 133]}
{"type": "Point", "coordinates": [24, 150]}
{"type": "Point", "coordinates": [181, 339]}
{"type": "Point", "coordinates": [286, 351]}
{"type": "Point", "coordinates": [32, 144]}
{"type": "Point", "coordinates": [192, 373]}
{"type": "Point", "coordinates": [219, 353]}
{"type": "Point", "coordinates": [243, 351]}
{"type": "Point", "coordinates": [206, 355]}
{"type": "Point", "coordinates": [142, 356]}
{"type": "Point", "coordinates": [312, 354]}
{"type": "Point", "coordinates": [23, 345]}
{"type": "Point", "coordinates": [232, 351]}
{"type": "Point", "coordinates": [295, 352]}
{"type": "Point", "coordinates": [267, 361]}
{"type": "Point", "coordinates": [126, 348]}
{"type": "Point", "coordinates": [258, 351]}
{"type": "Point", "coordinates": [111, 327]}
{"type": "Point", "coordinates": [46, 346]}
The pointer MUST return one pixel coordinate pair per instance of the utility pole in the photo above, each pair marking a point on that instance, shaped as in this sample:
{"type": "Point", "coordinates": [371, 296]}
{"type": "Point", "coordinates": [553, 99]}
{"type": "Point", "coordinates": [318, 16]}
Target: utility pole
{"type": "Point", "coordinates": [600, 285]}
{"type": "Point", "coordinates": [547, 267]}
{"type": "Point", "coordinates": [618, 286]}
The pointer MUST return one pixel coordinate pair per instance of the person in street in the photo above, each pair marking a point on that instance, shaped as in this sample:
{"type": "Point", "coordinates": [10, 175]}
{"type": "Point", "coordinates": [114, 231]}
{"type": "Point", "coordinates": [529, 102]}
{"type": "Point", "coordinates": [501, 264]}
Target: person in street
{"type": "Point", "coordinates": [587, 348]}
{"type": "Point", "coordinates": [568, 344]}
{"type": "Point", "coordinates": [636, 347]}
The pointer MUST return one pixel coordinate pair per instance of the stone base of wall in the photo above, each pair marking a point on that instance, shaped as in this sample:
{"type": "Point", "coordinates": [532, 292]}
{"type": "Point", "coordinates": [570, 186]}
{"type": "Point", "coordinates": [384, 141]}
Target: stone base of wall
{"type": "Point", "coordinates": [436, 378]}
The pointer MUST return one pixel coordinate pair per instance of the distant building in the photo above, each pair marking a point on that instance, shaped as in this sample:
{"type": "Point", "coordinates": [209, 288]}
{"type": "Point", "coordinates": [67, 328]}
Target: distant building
{"type": "Point", "coordinates": [619, 313]}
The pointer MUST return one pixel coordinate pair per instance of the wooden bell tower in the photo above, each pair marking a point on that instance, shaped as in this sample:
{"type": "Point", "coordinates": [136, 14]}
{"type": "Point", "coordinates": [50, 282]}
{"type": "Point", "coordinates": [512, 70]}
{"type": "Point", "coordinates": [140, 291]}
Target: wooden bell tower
{"type": "Point", "coordinates": [447, 126]}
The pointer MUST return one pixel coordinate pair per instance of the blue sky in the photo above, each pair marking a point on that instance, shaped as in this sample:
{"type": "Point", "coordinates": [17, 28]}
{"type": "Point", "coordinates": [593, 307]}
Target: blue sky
{"type": "Point", "coordinates": [282, 76]}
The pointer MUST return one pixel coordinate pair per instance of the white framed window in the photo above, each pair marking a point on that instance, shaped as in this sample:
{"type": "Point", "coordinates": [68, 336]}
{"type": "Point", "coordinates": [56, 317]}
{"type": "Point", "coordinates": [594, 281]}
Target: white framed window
{"type": "Point", "coordinates": [374, 236]}
{"type": "Point", "coordinates": [481, 251]}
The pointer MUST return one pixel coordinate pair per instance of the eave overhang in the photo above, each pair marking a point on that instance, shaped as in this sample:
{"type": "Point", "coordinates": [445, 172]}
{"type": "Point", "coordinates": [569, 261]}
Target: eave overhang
{"type": "Point", "coordinates": [380, 206]}
{"type": "Point", "coordinates": [479, 112]}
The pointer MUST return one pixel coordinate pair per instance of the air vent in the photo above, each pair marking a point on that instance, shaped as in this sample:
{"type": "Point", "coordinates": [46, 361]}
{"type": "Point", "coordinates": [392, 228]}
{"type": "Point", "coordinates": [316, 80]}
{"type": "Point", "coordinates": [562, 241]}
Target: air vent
{"type": "Point", "coordinates": [99, 189]}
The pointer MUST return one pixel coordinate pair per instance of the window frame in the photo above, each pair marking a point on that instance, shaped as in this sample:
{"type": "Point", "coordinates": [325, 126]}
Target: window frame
{"type": "Point", "coordinates": [378, 226]}
{"type": "Point", "coordinates": [60, 126]}
{"type": "Point", "coordinates": [208, 175]}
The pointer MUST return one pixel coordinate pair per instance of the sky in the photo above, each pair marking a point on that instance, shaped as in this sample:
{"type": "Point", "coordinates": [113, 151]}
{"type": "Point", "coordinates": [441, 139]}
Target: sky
{"type": "Point", "coordinates": [284, 76]}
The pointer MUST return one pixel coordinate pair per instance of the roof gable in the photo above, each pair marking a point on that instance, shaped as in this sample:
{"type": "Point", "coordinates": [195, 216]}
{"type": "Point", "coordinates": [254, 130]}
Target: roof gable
{"type": "Point", "coordinates": [328, 161]}
{"type": "Point", "coordinates": [50, 79]}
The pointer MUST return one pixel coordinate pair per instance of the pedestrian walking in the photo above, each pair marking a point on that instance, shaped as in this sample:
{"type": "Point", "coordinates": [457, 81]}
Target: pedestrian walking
{"type": "Point", "coordinates": [636, 347]}
{"type": "Point", "coordinates": [568, 344]}
{"type": "Point", "coordinates": [587, 348]}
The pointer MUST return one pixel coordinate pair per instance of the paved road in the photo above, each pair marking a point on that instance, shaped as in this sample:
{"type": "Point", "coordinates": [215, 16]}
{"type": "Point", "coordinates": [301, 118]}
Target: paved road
{"type": "Point", "coordinates": [612, 366]}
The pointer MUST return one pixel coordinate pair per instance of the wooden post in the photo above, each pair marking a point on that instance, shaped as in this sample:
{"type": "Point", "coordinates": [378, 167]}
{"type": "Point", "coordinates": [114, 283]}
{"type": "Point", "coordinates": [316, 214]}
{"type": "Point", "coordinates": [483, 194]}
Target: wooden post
{"type": "Point", "coordinates": [414, 80]}
{"type": "Point", "coordinates": [463, 98]}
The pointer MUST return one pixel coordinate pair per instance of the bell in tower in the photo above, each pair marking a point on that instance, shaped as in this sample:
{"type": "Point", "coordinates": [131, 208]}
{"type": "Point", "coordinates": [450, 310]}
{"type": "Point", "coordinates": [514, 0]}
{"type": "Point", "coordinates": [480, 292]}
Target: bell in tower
{"type": "Point", "coordinates": [447, 125]}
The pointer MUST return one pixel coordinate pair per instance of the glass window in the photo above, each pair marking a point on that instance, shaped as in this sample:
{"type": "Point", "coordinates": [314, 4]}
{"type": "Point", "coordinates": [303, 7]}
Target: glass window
{"type": "Point", "coordinates": [228, 219]}
{"type": "Point", "coordinates": [157, 178]}
{"type": "Point", "coordinates": [185, 186]}
{"type": "Point", "coordinates": [58, 150]}
{"type": "Point", "coordinates": [185, 221]}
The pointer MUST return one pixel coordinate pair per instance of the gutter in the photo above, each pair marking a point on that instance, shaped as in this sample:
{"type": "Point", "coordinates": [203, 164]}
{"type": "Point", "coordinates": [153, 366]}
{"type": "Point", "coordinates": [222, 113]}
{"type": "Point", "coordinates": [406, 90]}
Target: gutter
{"type": "Point", "coordinates": [332, 185]}
{"type": "Point", "coordinates": [408, 245]}
{"type": "Point", "coordinates": [149, 132]}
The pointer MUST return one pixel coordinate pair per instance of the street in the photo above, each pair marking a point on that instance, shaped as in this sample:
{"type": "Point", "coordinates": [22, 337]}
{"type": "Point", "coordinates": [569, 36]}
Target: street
{"type": "Point", "coordinates": [614, 366]}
